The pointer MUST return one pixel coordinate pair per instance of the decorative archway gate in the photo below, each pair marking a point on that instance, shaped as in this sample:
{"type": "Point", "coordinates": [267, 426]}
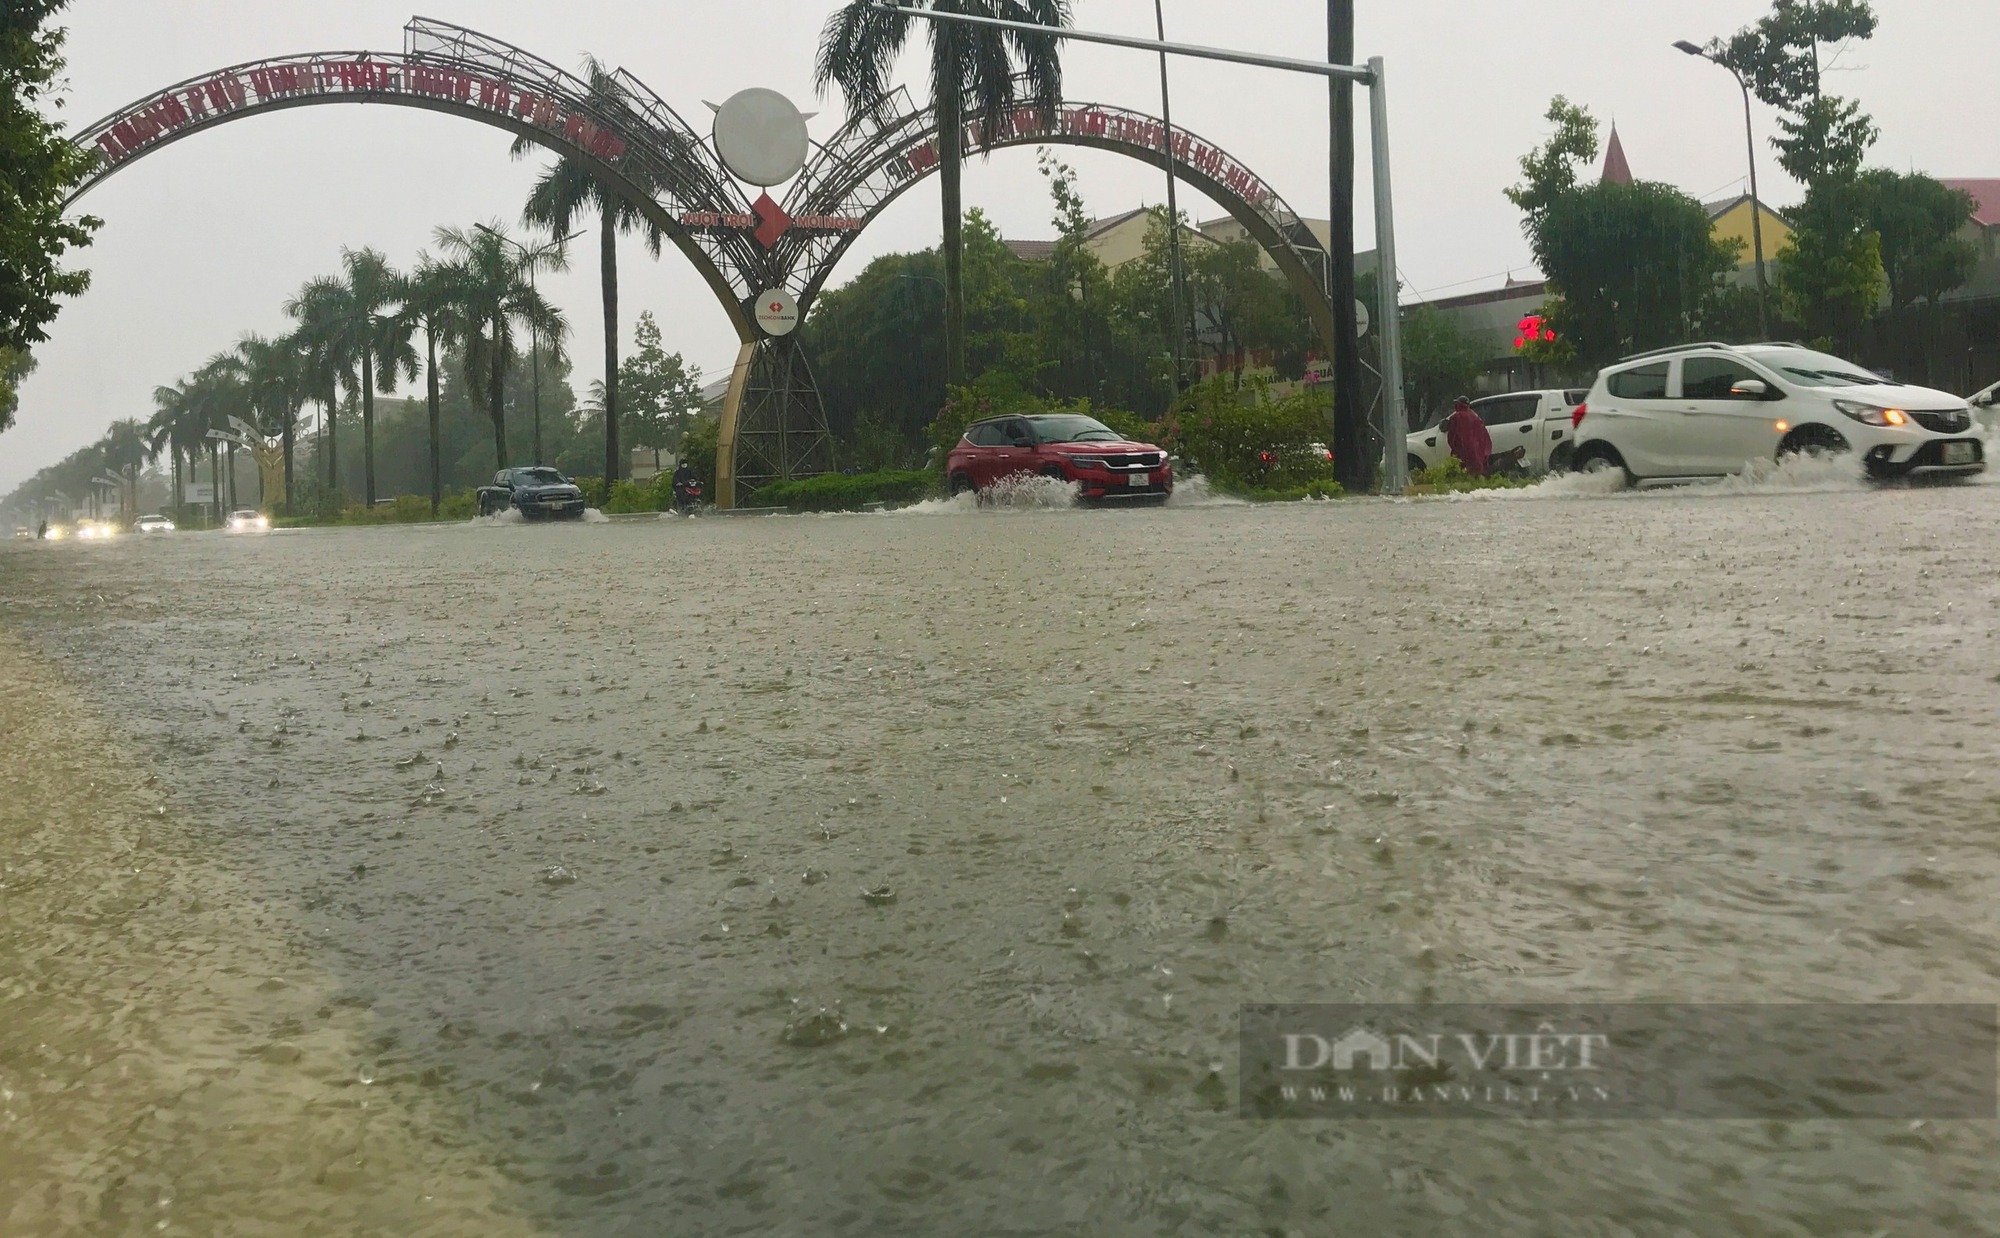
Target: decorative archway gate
{"type": "Point", "coordinates": [773, 423]}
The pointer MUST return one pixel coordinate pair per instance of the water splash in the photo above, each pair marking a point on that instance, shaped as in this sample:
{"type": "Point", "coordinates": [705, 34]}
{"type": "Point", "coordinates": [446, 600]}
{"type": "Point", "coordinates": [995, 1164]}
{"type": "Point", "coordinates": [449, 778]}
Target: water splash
{"type": "Point", "coordinates": [1193, 490]}
{"type": "Point", "coordinates": [1020, 493]}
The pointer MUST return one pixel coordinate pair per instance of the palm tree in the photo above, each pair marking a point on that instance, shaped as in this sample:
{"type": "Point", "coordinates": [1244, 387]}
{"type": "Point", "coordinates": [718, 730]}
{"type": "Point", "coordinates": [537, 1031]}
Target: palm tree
{"type": "Point", "coordinates": [973, 72]}
{"type": "Point", "coordinates": [430, 298]}
{"type": "Point", "coordinates": [171, 428]}
{"type": "Point", "coordinates": [360, 330]}
{"type": "Point", "coordinates": [323, 347]}
{"type": "Point", "coordinates": [274, 372]}
{"type": "Point", "coordinates": [490, 281]}
{"type": "Point", "coordinates": [566, 190]}
{"type": "Point", "coordinates": [125, 451]}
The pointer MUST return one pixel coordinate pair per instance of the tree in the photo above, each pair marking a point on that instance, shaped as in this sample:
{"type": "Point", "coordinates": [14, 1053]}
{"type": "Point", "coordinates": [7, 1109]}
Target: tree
{"type": "Point", "coordinates": [566, 189]}
{"type": "Point", "coordinates": [361, 330]}
{"type": "Point", "coordinates": [976, 72]}
{"type": "Point", "coordinates": [325, 348]}
{"type": "Point", "coordinates": [274, 374]}
{"type": "Point", "coordinates": [431, 298]}
{"type": "Point", "coordinates": [1921, 224]}
{"type": "Point", "coordinates": [15, 365]}
{"type": "Point", "coordinates": [658, 390]}
{"type": "Point", "coordinates": [38, 169]}
{"type": "Point", "coordinates": [1825, 137]}
{"type": "Point", "coordinates": [1630, 267]}
{"type": "Point", "coordinates": [1440, 363]}
{"type": "Point", "coordinates": [490, 281]}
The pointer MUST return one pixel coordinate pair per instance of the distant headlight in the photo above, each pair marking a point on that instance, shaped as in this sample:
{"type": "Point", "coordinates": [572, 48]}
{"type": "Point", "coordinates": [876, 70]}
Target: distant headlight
{"type": "Point", "coordinates": [1871, 414]}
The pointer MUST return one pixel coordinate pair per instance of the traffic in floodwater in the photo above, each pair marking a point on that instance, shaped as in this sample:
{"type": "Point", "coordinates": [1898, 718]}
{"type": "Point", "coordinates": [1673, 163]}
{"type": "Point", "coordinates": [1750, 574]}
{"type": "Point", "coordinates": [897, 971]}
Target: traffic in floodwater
{"type": "Point", "coordinates": [908, 873]}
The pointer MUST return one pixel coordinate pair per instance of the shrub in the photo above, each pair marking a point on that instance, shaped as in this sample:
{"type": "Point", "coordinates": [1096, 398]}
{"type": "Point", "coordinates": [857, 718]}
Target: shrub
{"type": "Point", "coordinates": [1288, 494]}
{"type": "Point", "coordinates": [632, 496]}
{"type": "Point", "coordinates": [841, 492]}
{"type": "Point", "coordinates": [1450, 476]}
{"type": "Point", "coordinates": [1244, 439]}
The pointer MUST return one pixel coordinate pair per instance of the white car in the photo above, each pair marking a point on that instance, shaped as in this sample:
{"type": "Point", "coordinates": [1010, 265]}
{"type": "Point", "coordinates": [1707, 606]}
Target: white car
{"type": "Point", "coordinates": [1704, 410]}
{"type": "Point", "coordinates": [1530, 431]}
{"type": "Point", "coordinates": [155, 524]}
{"type": "Point", "coordinates": [248, 520]}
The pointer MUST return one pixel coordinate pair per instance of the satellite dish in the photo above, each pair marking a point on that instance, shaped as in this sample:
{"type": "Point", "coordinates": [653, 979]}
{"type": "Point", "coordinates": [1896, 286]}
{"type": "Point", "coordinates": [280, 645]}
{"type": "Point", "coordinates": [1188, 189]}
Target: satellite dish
{"type": "Point", "coordinates": [1361, 320]}
{"type": "Point", "coordinates": [761, 137]}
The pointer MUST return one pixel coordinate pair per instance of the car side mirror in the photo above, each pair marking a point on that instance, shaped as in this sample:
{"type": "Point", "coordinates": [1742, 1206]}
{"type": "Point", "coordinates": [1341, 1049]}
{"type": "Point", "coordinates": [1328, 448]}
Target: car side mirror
{"type": "Point", "coordinates": [1020, 441]}
{"type": "Point", "coordinates": [1751, 389]}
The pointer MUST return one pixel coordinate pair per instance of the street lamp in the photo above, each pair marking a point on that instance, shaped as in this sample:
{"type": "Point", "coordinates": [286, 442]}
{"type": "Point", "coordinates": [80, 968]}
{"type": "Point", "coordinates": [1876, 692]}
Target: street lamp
{"type": "Point", "coordinates": [531, 259]}
{"type": "Point", "coordinates": [1756, 204]}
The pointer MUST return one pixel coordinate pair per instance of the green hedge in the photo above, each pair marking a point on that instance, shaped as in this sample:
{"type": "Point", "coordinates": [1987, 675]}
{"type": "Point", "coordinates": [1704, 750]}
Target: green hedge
{"type": "Point", "coordinates": [1223, 431]}
{"type": "Point", "coordinates": [841, 492]}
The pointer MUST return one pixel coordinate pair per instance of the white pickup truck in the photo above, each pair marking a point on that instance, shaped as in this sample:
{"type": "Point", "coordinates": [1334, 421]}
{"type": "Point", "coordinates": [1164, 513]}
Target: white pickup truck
{"type": "Point", "coordinates": [1531, 432]}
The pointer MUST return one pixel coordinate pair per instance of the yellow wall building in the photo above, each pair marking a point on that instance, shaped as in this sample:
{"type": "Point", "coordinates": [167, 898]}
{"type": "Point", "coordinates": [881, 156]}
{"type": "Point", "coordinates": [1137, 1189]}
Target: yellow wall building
{"type": "Point", "coordinates": [1731, 219]}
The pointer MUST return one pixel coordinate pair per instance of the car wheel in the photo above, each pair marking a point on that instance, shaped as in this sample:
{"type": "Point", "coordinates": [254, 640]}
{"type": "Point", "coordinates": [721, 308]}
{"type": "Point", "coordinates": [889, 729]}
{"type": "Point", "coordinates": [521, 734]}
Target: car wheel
{"type": "Point", "coordinates": [1416, 465]}
{"type": "Point", "coordinates": [1815, 441]}
{"type": "Point", "coordinates": [961, 483]}
{"type": "Point", "coordinates": [1598, 458]}
{"type": "Point", "coordinates": [1560, 460]}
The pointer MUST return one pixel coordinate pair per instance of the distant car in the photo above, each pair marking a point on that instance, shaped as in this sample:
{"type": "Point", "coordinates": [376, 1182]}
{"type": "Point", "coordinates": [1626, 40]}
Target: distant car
{"type": "Point", "coordinates": [537, 493]}
{"type": "Point", "coordinates": [248, 520]}
{"type": "Point", "coordinates": [155, 524]}
{"type": "Point", "coordinates": [1104, 464]}
{"type": "Point", "coordinates": [1531, 433]}
{"type": "Point", "coordinates": [94, 530]}
{"type": "Point", "coordinates": [1704, 410]}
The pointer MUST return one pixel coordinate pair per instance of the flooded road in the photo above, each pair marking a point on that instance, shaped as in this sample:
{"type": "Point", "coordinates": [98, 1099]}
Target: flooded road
{"type": "Point", "coordinates": [905, 873]}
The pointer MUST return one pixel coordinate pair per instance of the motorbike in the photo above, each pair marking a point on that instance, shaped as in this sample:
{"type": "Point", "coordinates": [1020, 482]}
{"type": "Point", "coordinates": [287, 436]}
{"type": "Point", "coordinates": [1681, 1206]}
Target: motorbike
{"type": "Point", "coordinates": [687, 498]}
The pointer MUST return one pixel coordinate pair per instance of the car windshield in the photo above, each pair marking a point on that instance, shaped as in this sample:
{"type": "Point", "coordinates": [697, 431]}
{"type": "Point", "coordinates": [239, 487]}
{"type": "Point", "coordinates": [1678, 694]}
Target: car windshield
{"type": "Point", "coordinates": [1817, 369]}
{"type": "Point", "coordinates": [1073, 428]}
{"type": "Point", "coordinates": [539, 477]}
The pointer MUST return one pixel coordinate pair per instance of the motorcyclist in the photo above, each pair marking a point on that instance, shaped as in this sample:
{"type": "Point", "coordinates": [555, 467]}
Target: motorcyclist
{"type": "Point", "coordinates": [687, 490]}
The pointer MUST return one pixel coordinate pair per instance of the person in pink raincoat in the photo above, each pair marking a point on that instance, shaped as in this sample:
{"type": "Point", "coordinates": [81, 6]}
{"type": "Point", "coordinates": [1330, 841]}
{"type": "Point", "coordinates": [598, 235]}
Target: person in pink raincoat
{"type": "Point", "coordinates": [1468, 438]}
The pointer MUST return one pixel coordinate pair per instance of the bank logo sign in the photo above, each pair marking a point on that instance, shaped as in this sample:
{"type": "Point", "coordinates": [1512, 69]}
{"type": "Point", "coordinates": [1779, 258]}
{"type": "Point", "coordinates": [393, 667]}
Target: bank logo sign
{"type": "Point", "coordinates": [1619, 1061]}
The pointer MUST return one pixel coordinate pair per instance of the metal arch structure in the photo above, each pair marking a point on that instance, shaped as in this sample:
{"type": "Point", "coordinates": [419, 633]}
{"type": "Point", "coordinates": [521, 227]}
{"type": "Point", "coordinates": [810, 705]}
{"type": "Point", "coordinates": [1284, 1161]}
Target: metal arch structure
{"type": "Point", "coordinates": [630, 139]}
{"type": "Point", "coordinates": [876, 157]}
{"type": "Point", "coordinates": [773, 422]}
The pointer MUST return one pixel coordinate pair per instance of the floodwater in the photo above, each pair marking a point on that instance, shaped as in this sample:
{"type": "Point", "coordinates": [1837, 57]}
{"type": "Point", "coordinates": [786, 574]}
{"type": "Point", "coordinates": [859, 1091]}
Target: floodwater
{"type": "Point", "coordinates": [905, 873]}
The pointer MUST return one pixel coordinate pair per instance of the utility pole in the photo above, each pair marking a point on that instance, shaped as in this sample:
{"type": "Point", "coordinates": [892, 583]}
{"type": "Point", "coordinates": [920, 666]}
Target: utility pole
{"type": "Point", "coordinates": [1182, 312]}
{"type": "Point", "coordinates": [1351, 461]}
{"type": "Point", "coordinates": [1713, 55]}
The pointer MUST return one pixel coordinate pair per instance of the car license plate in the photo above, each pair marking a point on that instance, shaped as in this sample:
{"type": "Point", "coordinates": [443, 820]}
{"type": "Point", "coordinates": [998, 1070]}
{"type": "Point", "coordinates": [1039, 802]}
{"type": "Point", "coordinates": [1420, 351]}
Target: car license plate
{"type": "Point", "coordinates": [1958, 453]}
{"type": "Point", "coordinates": [1136, 480]}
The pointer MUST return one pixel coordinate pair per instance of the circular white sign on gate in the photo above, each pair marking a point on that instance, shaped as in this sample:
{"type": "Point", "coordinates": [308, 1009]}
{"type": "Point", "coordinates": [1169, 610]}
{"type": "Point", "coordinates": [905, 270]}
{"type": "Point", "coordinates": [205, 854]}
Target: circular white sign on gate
{"type": "Point", "coordinates": [777, 313]}
{"type": "Point", "coordinates": [1361, 320]}
{"type": "Point", "coordinates": [761, 137]}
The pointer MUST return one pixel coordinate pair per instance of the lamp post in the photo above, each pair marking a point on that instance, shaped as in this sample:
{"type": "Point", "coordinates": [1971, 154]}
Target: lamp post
{"type": "Point", "coordinates": [1178, 274]}
{"type": "Point", "coordinates": [531, 259]}
{"type": "Point", "coordinates": [1394, 427]}
{"type": "Point", "coordinates": [1756, 203]}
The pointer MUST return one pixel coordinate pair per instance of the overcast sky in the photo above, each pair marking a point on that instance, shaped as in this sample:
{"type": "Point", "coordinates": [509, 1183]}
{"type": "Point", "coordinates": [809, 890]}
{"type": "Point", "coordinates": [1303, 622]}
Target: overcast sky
{"type": "Point", "coordinates": [204, 241]}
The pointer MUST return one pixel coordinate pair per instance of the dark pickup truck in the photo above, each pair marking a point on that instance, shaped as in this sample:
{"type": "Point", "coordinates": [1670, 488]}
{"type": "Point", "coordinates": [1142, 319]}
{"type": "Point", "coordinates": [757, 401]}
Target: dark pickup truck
{"type": "Point", "coordinates": [537, 493]}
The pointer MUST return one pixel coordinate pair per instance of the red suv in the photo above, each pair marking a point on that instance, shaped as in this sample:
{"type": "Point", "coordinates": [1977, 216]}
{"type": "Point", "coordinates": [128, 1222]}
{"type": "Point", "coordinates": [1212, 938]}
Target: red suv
{"type": "Point", "coordinates": [1068, 446]}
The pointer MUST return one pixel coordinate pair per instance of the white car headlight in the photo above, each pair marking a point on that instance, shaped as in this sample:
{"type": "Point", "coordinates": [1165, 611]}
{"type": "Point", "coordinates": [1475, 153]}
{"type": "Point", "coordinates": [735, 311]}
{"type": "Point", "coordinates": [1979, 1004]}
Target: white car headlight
{"type": "Point", "coordinates": [1872, 414]}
